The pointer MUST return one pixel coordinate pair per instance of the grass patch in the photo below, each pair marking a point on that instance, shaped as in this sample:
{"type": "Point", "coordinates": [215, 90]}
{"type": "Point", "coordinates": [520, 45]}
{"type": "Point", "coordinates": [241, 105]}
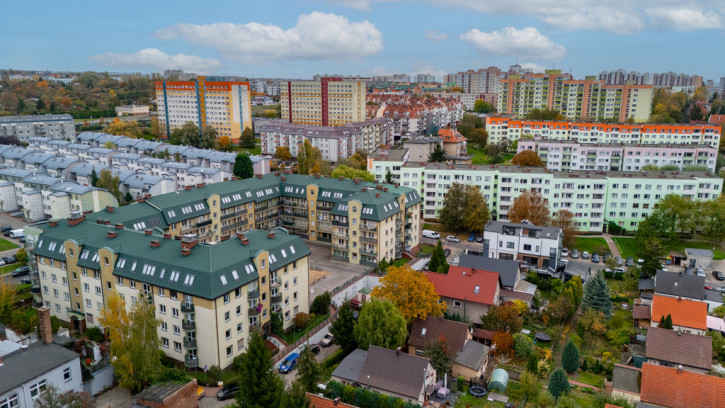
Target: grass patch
{"type": "Point", "coordinates": [425, 249]}
{"type": "Point", "coordinates": [590, 378]}
{"type": "Point", "coordinates": [294, 335]}
{"type": "Point", "coordinates": [5, 245]}
{"type": "Point", "coordinates": [8, 268]}
{"type": "Point", "coordinates": [480, 156]}
{"type": "Point", "coordinates": [262, 109]}
{"type": "Point", "coordinates": [399, 262]}
{"type": "Point", "coordinates": [591, 245]}
{"type": "Point", "coordinates": [628, 247]}
{"type": "Point", "coordinates": [467, 400]}
{"type": "Point", "coordinates": [228, 376]}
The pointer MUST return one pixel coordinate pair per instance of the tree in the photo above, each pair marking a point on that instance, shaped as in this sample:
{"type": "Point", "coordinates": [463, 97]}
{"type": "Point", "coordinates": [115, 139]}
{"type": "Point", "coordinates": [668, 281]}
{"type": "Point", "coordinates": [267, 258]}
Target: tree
{"type": "Point", "coordinates": [596, 295]}
{"type": "Point", "coordinates": [22, 256]}
{"type": "Point", "coordinates": [321, 304]}
{"type": "Point", "coordinates": [411, 292]}
{"type": "Point", "coordinates": [296, 396]}
{"type": "Point", "coordinates": [351, 173]}
{"type": "Point", "coordinates": [544, 114]}
{"type": "Point", "coordinates": [559, 383]}
{"type": "Point", "coordinates": [479, 138]}
{"type": "Point", "coordinates": [380, 324]}
{"type": "Point", "coordinates": [108, 182]}
{"type": "Point", "coordinates": [667, 322]}
{"type": "Point", "coordinates": [94, 178]}
{"type": "Point", "coordinates": [523, 345]}
{"type": "Point", "coordinates": [570, 357]}
{"type": "Point", "coordinates": [283, 153]}
{"type": "Point", "coordinates": [208, 138]}
{"type": "Point", "coordinates": [464, 209]}
{"type": "Point", "coordinates": [307, 157]}
{"type": "Point", "coordinates": [529, 385]}
{"type": "Point", "coordinates": [8, 297]}
{"type": "Point", "coordinates": [468, 124]}
{"type": "Point", "coordinates": [532, 365]}
{"type": "Point", "coordinates": [128, 198]}
{"type": "Point", "coordinates": [475, 210]}
{"type": "Point", "coordinates": [225, 143]}
{"type": "Point", "coordinates": [276, 322]}
{"type": "Point", "coordinates": [243, 167]}
{"type": "Point", "coordinates": [527, 158]}
{"type": "Point", "coordinates": [259, 386]}
{"type": "Point", "coordinates": [651, 249]}
{"type": "Point", "coordinates": [531, 206]}
{"type": "Point", "coordinates": [481, 106]}
{"type": "Point", "coordinates": [155, 129]}
{"type": "Point", "coordinates": [437, 262]}
{"type": "Point", "coordinates": [247, 139]}
{"type": "Point", "coordinates": [54, 398]}
{"type": "Point", "coordinates": [308, 370]}
{"type": "Point", "coordinates": [135, 353]}
{"type": "Point", "coordinates": [440, 356]}
{"type": "Point", "coordinates": [187, 135]}
{"type": "Point", "coordinates": [343, 329]}
{"type": "Point", "coordinates": [301, 320]}
{"type": "Point", "coordinates": [503, 318]}
{"type": "Point", "coordinates": [451, 214]}
{"type": "Point", "coordinates": [503, 343]}
{"type": "Point", "coordinates": [124, 128]}
{"type": "Point", "coordinates": [389, 177]}
{"type": "Point", "coordinates": [438, 154]}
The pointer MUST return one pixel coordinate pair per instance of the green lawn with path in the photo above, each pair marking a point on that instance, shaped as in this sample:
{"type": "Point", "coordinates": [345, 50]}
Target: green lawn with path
{"type": "Point", "coordinates": [628, 246]}
{"type": "Point", "coordinates": [5, 245]}
{"type": "Point", "coordinates": [589, 244]}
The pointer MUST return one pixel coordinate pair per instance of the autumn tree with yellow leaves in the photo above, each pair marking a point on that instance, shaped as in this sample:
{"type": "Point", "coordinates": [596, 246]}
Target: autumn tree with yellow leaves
{"type": "Point", "coordinates": [411, 292]}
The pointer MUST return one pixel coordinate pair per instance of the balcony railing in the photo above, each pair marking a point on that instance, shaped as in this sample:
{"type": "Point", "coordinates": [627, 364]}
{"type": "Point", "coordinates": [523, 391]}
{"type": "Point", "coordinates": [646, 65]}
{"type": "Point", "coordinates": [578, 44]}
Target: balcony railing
{"type": "Point", "coordinates": [340, 257]}
{"type": "Point", "coordinates": [254, 311]}
{"type": "Point", "coordinates": [191, 362]}
{"type": "Point", "coordinates": [275, 283]}
{"type": "Point", "coordinates": [253, 294]}
{"type": "Point", "coordinates": [189, 344]}
{"type": "Point", "coordinates": [368, 227]}
{"type": "Point", "coordinates": [368, 251]}
{"type": "Point", "coordinates": [187, 307]}
{"type": "Point", "coordinates": [340, 246]}
{"type": "Point", "coordinates": [372, 240]}
{"type": "Point", "coordinates": [203, 223]}
{"type": "Point", "coordinates": [188, 325]}
{"type": "Point", "coordinates": [276, 298]}
{"type": "Point", "coordinates": [340, 223]}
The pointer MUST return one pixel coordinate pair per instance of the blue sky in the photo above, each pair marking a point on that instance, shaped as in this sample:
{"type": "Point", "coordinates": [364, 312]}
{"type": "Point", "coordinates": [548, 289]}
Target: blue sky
{"type": "Point", "coordinates": [300, 38]}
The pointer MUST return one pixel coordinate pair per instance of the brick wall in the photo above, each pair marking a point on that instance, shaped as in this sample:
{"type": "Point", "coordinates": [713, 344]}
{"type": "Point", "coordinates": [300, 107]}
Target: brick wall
{"type": "Point", "coordinates": [185, 397]}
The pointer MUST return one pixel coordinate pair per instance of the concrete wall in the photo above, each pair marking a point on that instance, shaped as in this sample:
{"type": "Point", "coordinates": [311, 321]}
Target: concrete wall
{"type": "Point", "coordinates": [101, 380]}
{"type": "Point", "coordinates": [349, 292]}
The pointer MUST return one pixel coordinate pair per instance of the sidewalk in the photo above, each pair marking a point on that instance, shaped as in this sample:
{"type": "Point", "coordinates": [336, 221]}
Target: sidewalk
{"type": "Point", "coordinates": [613, 248]}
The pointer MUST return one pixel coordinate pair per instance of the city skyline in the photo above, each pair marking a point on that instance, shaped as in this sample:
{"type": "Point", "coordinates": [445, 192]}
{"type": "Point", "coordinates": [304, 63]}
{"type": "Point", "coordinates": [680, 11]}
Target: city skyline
{"type": "Point", "coordinates": [366, 37]}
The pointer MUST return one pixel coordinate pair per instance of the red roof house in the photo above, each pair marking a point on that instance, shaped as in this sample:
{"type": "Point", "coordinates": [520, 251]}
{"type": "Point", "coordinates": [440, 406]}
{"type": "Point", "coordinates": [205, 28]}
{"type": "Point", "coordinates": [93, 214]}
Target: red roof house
{"type": "Point", "coordinates": [676, 388]}
{"type": "Point", "coordinates": [467, 291]}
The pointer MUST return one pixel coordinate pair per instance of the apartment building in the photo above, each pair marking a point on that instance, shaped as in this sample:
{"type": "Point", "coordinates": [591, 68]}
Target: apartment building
{"type": "Point", "coordinates": [225, 106]}
{"type": "Point", "coordinates": [334, 142]}
{"type": "Point", "coordinates": [500, 128]}
{"type": "Point", "coordinates": [363, 222]}
{"type": "Point", "coordinates": [415, 115]}
{"type": "Point", "coordinates": [594, 197]}
{"type": "Point", "coordinates": [468, 99]}
{"type": "Point", "coordinates": [208, 298]}
{"type": "Point", "coordinates": [569, 155]}
{"type": "Point", "coordinates": [132, 110]}
{"type": "Point", "coordinates": [382, 161]}
{"type": "Point", "coordinates": [523, 242]}
{"type": "Point", "coordinates": [621, 77]}
{"type": "Point", "coordinates": [326, 102]}
{"type": "Point", "coordinates": [484, 80]}
{"type": "Point", "coordinates": [425, 78]}
{"type": "Point", "coordinates": [24, 127]}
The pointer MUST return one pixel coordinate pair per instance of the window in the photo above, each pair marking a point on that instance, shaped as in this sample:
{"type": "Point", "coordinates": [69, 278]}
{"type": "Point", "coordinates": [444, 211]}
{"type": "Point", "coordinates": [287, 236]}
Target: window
{"type": "Point", "coordinates": [66, 374]}
{"type": "Point", "coordinates": [119, 281]}
{"type": "Point", "coordinates": [164, 342]}
{"type": "Point", "coordinates": [10, 402]}
{"type": "Point", "coordinates": [239, 310]}
{"type": "Point", "coordinates": [294, 296]}
{"type": "Point", "coordinates": [174, 312]}
{"type": "Point", "coordinates": [262, 264]}
{"type": "Point", "coordinates": [239, 328]}
{"type": "Point", "coordinates": [294, 281]}
{"type": "Point", "coordinates": [238, 293]}
{"type": "Point", "coordinates": [226, 316]}
{"type": "Point", "coordinates": [162, 309]}
{"type": "Point", "coordinates": [229, 351]}
{"type": "Point", "coordinates": [510, 245]}
{"type": "Point", "coordinates": [177, 330]}
{"type": "Point", "coordinates": [456, 303]}
{"type": "Point", "coordinates": [240, 344]}
{"type": "Point", "coordinates": [229, 334]}
{"type": "Point", "coordinates": [177, 346]}
{"type": "Point", "coordinates": [226, 299]}
{"type": "Point", "coordinates": [38, 388]}
{"type": "Point", "coordinates": [132, 283]}
{"type": "Point", "coordinates": [164, 326]}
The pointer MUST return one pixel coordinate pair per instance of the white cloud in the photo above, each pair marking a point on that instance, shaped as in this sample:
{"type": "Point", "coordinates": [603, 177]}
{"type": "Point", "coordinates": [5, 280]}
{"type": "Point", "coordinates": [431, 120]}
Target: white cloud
{"type": "Point", "coordinates": [435, 35]}
{"type": "Point", "coordinates": [363, 5]}
{"type": "Point", "coordinates": [316, 36]}
{"type": "Point", "coordinates": [527, 42]}
{"type": "Point", "coordinates": [536, 68]}
{"type": "Point", "coordinates": [158, 60]}
{"type": "Point", "coordinates": [684, 19]}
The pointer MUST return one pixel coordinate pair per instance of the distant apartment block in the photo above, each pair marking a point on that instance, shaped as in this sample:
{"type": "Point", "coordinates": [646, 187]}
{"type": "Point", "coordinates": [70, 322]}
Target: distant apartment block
{"type": "Point", "coordinates": [568, 155]}
{"type": "Point", "coordinates": [468, 99]}
{"type": "Point", "coordinates": [334, 142]}
{"type": "Point", "coordinates": [485, 80]}
{"type": "Point", "coordinates": [658, 80]}
{"type": "Point", "coordinates": [132, 110]}
{"type": "Point", "coordinates": [331, 101]}
{"type": "Point", "coordinates": [24, 127]}
{"type": "Point", "coordinates": [500, 129]}
{"type": "Point", "coordinates": [225, 106]}
{"type": "Point", "coordinates": [425, 78]}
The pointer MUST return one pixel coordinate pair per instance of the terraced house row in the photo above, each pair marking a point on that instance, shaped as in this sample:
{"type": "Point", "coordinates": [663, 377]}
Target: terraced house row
{"type": "Point", "coordinates": [363, 222]}
{"type": "Point", "coordinates": [594, 197]}
{"type": "Point", "coordinates": [207, 297]}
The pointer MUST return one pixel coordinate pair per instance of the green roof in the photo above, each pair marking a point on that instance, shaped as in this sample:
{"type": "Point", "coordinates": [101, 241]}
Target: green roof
{"type": "Point", "coordinates": [209, 272]}
{"type": "Point", "coordinates": [138, 216]}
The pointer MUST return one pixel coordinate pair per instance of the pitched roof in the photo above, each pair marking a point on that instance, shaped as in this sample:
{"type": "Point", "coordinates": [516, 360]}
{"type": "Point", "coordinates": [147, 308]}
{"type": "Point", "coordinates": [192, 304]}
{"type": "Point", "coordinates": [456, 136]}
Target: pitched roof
{"type": "Point", "coordinates": [451, 136]}
{"type": "Point", "coordinates": [507, 270]}
{"type": "Point", "coordinates": [466, 284]}
{"type": "Point", "coordinates": [679, 284]}
{"type": "Point", "coordinates": [483, 334]}
{"type": "Point", "coordinates": [350, 367]}
{"type": "Point", "coordinates": [641, 312]}
{"type": "Point", "coordinates": [686, 313]}
{"type": "Point", "coordinates": [317, 401]}
{"type": "Point", "coordinates": [675, 388]}
{"type": "Point", "coordinates": [396, 372]}
{"type": "Point", "coordinates": [625, 378]}
{"type": "Point", "coordinates": [646, 284]}
{"type": "Point", "coordinates": [37, 359]}
{"type": "Point", "coordinates": [473, 355]}
{"type": "Point", "coordinates": [698, 252]}
{"type": "Point", "coordinates": [432, 329]}
{"type": "Point", "coordinates": [679, 348]}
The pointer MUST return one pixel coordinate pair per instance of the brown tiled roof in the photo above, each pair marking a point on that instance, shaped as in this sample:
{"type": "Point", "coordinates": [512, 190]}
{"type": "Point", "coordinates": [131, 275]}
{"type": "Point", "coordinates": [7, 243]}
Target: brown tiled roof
{"type": "Point", "coordinates": [686, 313]}
{"type": "Point", "coordinates": [675, 388]}
{"type": "Point", "coordinates": [483, 334]}
{"type": "Point", "coordinates": [317, 401]}
{"type": "Point", "coordinates": [679, 348]}
{"type": "Point", "coordinates": [641, 312]}
{"type": "Point", "coordinates": [395, 372]}
{"type": "Point", "coordinates": [432, 329]}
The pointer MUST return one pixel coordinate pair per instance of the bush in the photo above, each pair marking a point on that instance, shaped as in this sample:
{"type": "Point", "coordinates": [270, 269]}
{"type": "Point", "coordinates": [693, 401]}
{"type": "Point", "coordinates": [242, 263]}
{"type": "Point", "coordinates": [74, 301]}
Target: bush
{"type": "Point", "coordinates": [94, 334]}
{"type": "Point", "coordinates": [334, 358]}
{"type": "Point", "coordinates": [461, 383]}
{"type": "Point", "coordinates": [570, 357]}
{"type": "Point", "coordinates": [214, 374]}
{"type": "Point", "coordinates": [302, 320]}
{"type": "Point", "coordinates": [321, 304]}
{"type": "Point", "coordinates": [523, 345]}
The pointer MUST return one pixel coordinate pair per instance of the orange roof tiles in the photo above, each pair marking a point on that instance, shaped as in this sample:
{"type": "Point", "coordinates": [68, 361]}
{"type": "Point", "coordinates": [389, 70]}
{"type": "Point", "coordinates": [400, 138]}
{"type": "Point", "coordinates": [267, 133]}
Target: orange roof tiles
{"type": "Point", "coordinates": [461, 283]}
{"type": "Point", "coordinates": [321, 402]}
{"type": "Point", "coordinates": [451, 136]}
{"type": "Point", "coordinates": [675, 388]}
{"type": "Point", "coordinates": [686, 313]}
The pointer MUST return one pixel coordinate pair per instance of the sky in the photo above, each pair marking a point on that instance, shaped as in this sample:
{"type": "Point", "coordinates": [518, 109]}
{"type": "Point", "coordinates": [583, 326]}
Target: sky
{"type": "Point", "coordinates": [301, 38]}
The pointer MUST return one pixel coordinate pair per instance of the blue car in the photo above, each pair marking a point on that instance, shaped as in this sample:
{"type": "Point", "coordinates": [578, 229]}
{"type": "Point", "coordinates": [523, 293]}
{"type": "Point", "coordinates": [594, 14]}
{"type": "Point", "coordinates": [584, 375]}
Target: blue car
{"type": "Point", "coordinates": [289, 363]}
{"type": "Point", "coordinates": [472, 237]}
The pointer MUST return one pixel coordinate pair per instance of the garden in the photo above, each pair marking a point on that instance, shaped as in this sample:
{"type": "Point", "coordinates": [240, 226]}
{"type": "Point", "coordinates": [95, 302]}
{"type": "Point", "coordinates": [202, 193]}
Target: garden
{"type": "Point", "coordinates": [629, 247]}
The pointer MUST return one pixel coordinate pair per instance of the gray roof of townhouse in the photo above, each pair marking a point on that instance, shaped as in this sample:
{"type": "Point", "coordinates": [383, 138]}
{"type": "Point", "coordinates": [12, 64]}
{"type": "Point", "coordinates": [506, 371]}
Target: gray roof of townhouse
{"type": "Point", "coordinates": [546, 232]}
{"type": "Point", "coordinates": [4, 148]}
{"type": "Point", "coordinates": [646, 284]}
{"type": "Point", "coordinates": [680, 284]}
{"type": "Point", "coordinates": [698, 252]}
{"type": "Point", "coordinates": [29, 363]}
{"type": "Point", "coordinates": [127, 141]}
{"type": "Point", "coordinates": [50, 117]}
{"type": "Point", "coordinates": [43, 179]}
{"type": "Point", "coordinates": [146, 145]}
{"type": "Point", "coordinates": [172, 149]}
{"type": "Point", "coordinates": [142, 180]}
{"type": "Point", "coordinates": [203, 170]}
{"type": "Point", "coordinates": [713, 295]}
{"type": "Point", "coordinates": [57, 142]}
{"type": "Point", "coordinates": [176, 165]}
{"type": "Point", "coordinates": [104, 138]}
{"type": "Point", "coordinates": [507, 270]}
{"type": "Point", "coordinates": [39, 139]}
{"type": "Point", "coordinates": [99, 150]}
{"type": "Point", "coordinates": [150, 160]}
{"type": "Point", "coordinates": [73, 188]}
{"type": "Point", "coordinates": [37, 158]}
{"type": "Point", "coordinates": [125, 156]}
{"type": "Point", "coordinates": [15, 172]}
{"type": "Point", "coordinates": [350, 367]}
{"type": "Point", "coordinates": [209, 271]}
{"type": "Point", "coordinates": [59, 162]}
{"type": "Point", "coordinates": [88, 136]}
{"type": "Point", "coordinates": [77, 146]}
{"type": "Point", "coordinates": [15, 153]}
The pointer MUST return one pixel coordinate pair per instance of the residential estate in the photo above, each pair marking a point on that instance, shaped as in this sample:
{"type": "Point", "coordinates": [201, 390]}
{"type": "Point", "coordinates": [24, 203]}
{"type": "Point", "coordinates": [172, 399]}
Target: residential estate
{"type": "Point", "coordinates": [59, 126]}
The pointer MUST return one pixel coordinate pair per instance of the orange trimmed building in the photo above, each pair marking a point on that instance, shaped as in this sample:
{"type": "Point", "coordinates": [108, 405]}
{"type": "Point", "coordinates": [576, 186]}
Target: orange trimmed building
{"type": "Point", "coordinates": [688, 316]}
{"type": "Point", "coordinates": [676, 388]}
{"type": "Point", "coordinates": [225, 106]}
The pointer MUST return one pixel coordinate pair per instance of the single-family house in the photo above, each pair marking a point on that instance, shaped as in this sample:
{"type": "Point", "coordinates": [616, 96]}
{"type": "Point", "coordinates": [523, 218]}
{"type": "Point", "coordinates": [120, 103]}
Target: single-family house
{"type": "Point", "coordinates": [538, 247]}
{"type": "Point", "coordinates": [692, 287]}
{"type": "Point", "coordinates": [688, 316]}
{"type": "Point", "coordinates": [512, 286]}
{"type": "Point", "coordinates": [677, 388]}
{"type": "Point", "coordinates": [672, 348]}
{"type": "Point", "coordinates": [467, 291]}
{"type": "Point", "coordinates": [625, 382]}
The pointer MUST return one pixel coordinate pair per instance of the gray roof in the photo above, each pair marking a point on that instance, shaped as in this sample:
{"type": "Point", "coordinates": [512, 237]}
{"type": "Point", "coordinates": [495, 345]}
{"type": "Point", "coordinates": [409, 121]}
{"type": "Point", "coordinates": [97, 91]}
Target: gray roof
{"type": "Point", "coordinates": [698, 252]}
{"type": "Point", "coordinates": [73, 187]}
{"type": "Point", "coordinates": [59, 162]}
{"type": "Point", "coordinates": [424, 140]}
{"type": "Point", "coordinates": [26, 364]}
{"type": "Point", "coordinates": [142, 180]}
{"type": "Point", "coordinates": [713, 295]}
{"type": "Point", "coordinates": [680, 284]}
{"type": "Point", "coordinates": [395, 372]}
{"type": "Point", "coordinates": [350, 367]}
{"type": "Point", "coordinates": [37, 157]}
{"type": "Point", "coordinates": [679, 348]}
{"type": "Point", "coordinates": [7, 346]}
{"type": "Point", "coordinates": [36, 118]}
{"type": "Point", "coordinates": [41, 178]}
{"type": "Point", "coordinates": [473, 355]}
{"type": "Point", "coordinates": [625, 378]}
{"type": "Point", "coordinates": [546, 232]}
{"type": "Point", "coordinates": [646, 284]}
{"type": "Point", "coordinates": [507, 270]}
{"type": "Point", "coordinates": [160, 392]}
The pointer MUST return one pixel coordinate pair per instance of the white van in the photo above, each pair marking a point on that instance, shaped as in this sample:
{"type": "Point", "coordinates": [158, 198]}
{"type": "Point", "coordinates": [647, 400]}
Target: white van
{"type": "Point", "coordinates": [430, 234]}
{"type": "Point", "coordinates": [17, 233]}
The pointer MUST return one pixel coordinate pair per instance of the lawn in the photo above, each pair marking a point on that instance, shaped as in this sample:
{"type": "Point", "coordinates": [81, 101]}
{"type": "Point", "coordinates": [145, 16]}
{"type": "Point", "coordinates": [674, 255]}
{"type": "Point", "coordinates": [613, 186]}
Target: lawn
{"type": "Point", "coordinates": [467, 400]}
{"type": "Point", "coordinates": [5, 245]}
{"type": "Point", "coordinates": [8, 268]}
{"type": "Point", "coordinates": [628, 246]}
{"type": "Point", "coordinates": [590, 378]}
{"type": "Point", "coordinates": [294, 335]}
{"type": "Point", "coordinates": [262, 109]}
{"type": "Point", "coordinates": [591, 245]}
{"type": "Point", "coordinates": [480, 156]}
{"type": "Point", "coordinates": [425, 249]}
{"type": "Point", "coordinates": [399, 262]}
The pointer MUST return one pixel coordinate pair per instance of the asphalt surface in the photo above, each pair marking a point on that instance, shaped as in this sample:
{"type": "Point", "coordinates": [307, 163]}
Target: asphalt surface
{"type": "Point", "coordinates": [16, 223]}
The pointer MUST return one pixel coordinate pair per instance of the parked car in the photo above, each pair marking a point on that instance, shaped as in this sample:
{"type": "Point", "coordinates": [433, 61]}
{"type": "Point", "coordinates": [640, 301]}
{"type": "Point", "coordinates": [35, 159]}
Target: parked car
{"type": "Point", "coordinates": [6, 233]}
{"type": "Point", "coordinates": [640, 261]}
{"type": "Point", "coordinates": [23, 270]}
{"type": "Point", "coordinates": [606, 257]}
{"type": "Point", "coordinates": [718, 275]}
{"type": "Point", "coordinates": [452, 238]}
{"type": "Point", "coordinates": [227, 392]}
{"type": "Point", "coordinates": [327, 340]}
{"type": "Point", "coordinates": [618, 270]}
{"type": "Point", "coordinates": [315, 349]}
{"type": "Point", "coordinates": [10, 259]}
{"type": "Point", "coordinates": [430, 234]}
{"type": "Point", "coordinates": [630, 261]}
{"type": "Point", "coordinates": [446, 252]}
{"type": "Point", "coordinates": [479, 239]}
{"type": "Point", "coordinates": [585, 255]}
{"type": "Point", "coordinates": [471, 237]}
{"type": "Point", "coordinates": [200, 392]}
{"type": "Point", "coordinates": [21, 240]}
{"type": "Point", "coordinates": [700, 272]}
{"type": "Point", "coordinates": [5, 228]}
{"type": "Point", "coordinates": [575, 254]}
{"type": "Point", "coordinates": [289, 363]}
{"type": "Point", "coordinates": [564, 252]}
{"type": "Point", "coordinates": [595, 257]}
{"type": "Point", "coordinates": [618, 260]}
{"type": "Point", "coordinates": [25, 281]}
{"type": "Point", "coordinates": [690, 271]}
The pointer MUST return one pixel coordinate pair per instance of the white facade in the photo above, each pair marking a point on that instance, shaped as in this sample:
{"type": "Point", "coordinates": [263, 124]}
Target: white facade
{"type": "Point", "coordinates": [540, 246]}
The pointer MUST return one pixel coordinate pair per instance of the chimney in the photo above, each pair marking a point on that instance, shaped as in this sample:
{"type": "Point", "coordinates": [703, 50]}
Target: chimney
{"type": "Point", "coordinates": [258, 175]}
{"type": "Point", "coordinates": [46, 330]}
{"type": "Point", "coordinates": [167, 235]}
{"type": "Point", "coordinates": [356, 181]}
{"type": "Point", "coordinates": [385, 189]}
{"type": "Point", "coordinates": [187, 188]}
{"type": "Point", "coordinates": [270, 235]}
{"type": "Point", "coordinates": [76, 220]}
{"type": "Point", "coordinates": [397, 351]}
{"type": "Point", "coordinates": [317, 175]}
{"type": "Point", "coordinates": [140, 199]}
{"type": "Point", "coordinates": [679, 369]}
{"type": "Point", "coordinates": [147, 231]}
{"type": "Point", "coordinates": [276, 173]}
{"type": "Point", "coordinates": [240, 235]}
{"type": "Point", "coordinates": [118, 225]}
{"type": "Point", "coordinates": [224, 238]}
{"type": "Point", "coordinates": [187, 242]}
{"type": "Point", "coordinates": [54, 223]}
{"type": "Point", "coordinates": [109, 209]}
{"type": "Point", "coordinates": [679, 298]}
{"type": "Point", "coordinates": [185, 251]}
{"type": "Point", "coordinates": [380, 187]}
{"type": "Point", "coordinates": [341, 178]}
{"type": "Point", "coordinates": [200, 185]}
{"type": "Point", "coordinates": [283, 178]}
{"type": "Point", "coordinates": [245, 241]}
{"type": "Point", "coordinates": [111, 234]}
{"type": "Point", "coordinates": [377, 195]}
{"type": "Point", "coordinates": [336, 401]}
{"type": "Point", "coordinates": [155, 243]}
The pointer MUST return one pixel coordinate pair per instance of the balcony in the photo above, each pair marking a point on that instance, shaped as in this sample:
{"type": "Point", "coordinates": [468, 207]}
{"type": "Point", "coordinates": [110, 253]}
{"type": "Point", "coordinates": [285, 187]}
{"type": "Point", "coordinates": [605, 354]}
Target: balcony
{"type": "Point", "coordinates": [254, 324]}
{"type": "Point", "coordinates": [203, 223]}
{"type": "Point", "coordinates": [368, 227]}
{"type": "Point", "coordinates": [288, 223]}
{"type": "Point", "coordinates": [187, 307]}
{"type": "Point", "coordinates": [189, 344]}
{"type": "Point", "coordinates": [191, 362]}
{"type": "Point", "coordinates": [253, 294]}
{"type": "Point", "coordinates": [340, 223]}
{"type": "Point", "coordinates": [340, 257]}
{"type": "Point", "coordinates": [276, 298]}
{"type": "Point", "coordinates": [324, 239]}
{"type": "Point", "coordinates": [35, 290]}
{"type": "Point", "coordinates": [368, 251]}
{"type": "Point", "coordinates": [254, 311]}
{"type": "Point", "coordinates": [340, 246]}
{"type": "Point", "coordinates": [371, 240]}
{"type": "Point", "coordinates": [188, 325]}
{"type": "Point", "coordinates": [325, 207]}
{"type": "Point", "coordinates": [275, 283]}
